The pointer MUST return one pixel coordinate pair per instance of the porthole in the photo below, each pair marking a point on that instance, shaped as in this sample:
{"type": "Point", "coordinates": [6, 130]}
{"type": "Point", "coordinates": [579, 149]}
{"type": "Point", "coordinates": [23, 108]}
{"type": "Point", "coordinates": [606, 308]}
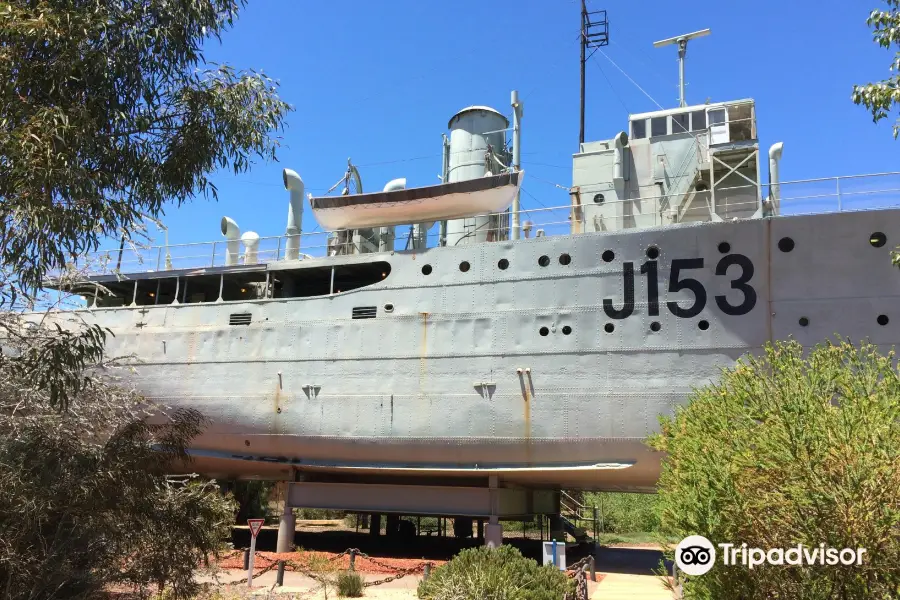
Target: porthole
{"type": "Point", "coordinates": [724, 247]}
{"type": "Point", "coordinates": [503, 264]}
{"type": "Point", "coordinates": [878, 239]}
{"type": "Point", "coordinates": [544, 261]}
{"type": "Point", "coordinates": [803, 321]}
{"type": "Point", "coordinates": [388, 308]}
{"type": "Point", "coordinates": [703, 325]}
{"type": "Point", "coordinates": [608, 256]}
{"type": "Point", "coordinates": [565, 259]}
{"type": "Point", "coordinates": [464, 266]}
{"type": "Point", "coordinates": [655, 326]}
{"type": "Point", "coordinates": [544, 331]}
{"type": "Point", "coordinates": [882, 320]}
{"type": "Point", "coordinates": [652, 252]}
{"type": "Point", "coordinates": [609, 328]}
{"type": "Point", "coordinates": [426, 270]}
{"type": "Point", "coordinates": [598, 198]}
{"type": "Point", "coordinates": [566, 330]}
{"type": "Point", "coordinates": [785, 244]}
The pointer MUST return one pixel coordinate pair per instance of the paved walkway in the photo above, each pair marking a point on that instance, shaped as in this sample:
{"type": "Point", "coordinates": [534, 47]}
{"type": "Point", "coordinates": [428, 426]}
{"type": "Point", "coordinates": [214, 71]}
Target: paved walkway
{"type": "Point", "coordinates": [614, 586]}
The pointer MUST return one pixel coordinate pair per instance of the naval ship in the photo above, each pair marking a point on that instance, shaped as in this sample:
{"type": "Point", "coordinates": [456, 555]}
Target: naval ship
{"type": "Point", "coordinates": [444, 341]}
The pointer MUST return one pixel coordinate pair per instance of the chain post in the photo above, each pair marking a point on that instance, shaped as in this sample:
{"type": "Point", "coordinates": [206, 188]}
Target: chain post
{"type": "Point", "coordinates": [246, 558]}
{"type": "Point", "coordinates": [353, 559]}
{"type": "Point", "coordinates": [427, 572]}
{"type": "Point", "coordinates": [593, 569]}
{"type": "Point", "coordinates": [279, 580]}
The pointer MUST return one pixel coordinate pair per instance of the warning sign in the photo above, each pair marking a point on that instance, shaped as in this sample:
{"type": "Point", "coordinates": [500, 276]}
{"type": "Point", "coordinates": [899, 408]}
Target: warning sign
{"type": "Point", "coordinates": [255, 526]}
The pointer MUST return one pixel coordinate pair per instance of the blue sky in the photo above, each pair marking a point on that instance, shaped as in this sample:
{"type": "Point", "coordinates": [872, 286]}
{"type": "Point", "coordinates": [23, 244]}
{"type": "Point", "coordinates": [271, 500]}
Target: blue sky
{"type": "Point", "coordinates": [378, 81]}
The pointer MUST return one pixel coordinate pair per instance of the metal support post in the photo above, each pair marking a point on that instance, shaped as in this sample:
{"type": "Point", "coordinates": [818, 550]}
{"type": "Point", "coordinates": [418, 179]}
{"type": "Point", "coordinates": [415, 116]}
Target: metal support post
{"type": "Point", "coordinates": [840, 204]}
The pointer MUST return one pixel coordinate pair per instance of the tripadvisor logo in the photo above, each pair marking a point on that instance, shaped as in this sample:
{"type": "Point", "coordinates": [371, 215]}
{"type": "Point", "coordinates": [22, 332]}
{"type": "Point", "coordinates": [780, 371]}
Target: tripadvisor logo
{"type": "Point", "coordinates": [696, 555]}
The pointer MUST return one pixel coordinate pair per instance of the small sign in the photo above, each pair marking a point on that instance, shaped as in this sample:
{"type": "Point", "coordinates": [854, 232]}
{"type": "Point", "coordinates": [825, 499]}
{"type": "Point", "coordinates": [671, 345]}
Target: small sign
{"type": "Point", "coordinates": [255, 526]}
{"type": "Point", "coordinates": [554, 553]}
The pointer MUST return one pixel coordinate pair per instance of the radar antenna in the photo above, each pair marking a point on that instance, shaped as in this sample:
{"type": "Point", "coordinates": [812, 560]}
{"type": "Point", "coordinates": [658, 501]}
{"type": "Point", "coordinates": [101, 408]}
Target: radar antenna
{"type": "Point", "coordinates": [682, 41]}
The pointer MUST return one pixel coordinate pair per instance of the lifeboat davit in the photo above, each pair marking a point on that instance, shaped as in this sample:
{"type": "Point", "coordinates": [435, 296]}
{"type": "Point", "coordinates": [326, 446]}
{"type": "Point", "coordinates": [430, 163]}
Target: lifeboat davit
{"type": "Point", "coordinates": [457, 200]}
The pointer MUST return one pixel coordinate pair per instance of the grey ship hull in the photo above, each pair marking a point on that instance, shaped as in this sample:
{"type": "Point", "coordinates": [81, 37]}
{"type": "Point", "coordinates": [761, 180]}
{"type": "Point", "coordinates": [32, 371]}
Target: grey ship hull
{"type": "Point", "coordinates": [457, 380]}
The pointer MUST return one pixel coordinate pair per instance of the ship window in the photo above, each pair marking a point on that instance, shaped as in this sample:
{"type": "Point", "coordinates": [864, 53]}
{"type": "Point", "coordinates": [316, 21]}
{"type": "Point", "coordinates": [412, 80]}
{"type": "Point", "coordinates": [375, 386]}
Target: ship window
{"type": "Point", "coordinates": [316, 281]}
{"type": "Point", "coordinates": [658, 126]}
{"type": "Point", "coordinates": [740, 122]}
{"type": "Point", "coordinates": [680, 123]}
{"type": "Point", "coordinates": [717, 116]}
{"type": "Point", "coordinates": [698, 120]}
{"type": "Point", "coordinates": [639, 129]}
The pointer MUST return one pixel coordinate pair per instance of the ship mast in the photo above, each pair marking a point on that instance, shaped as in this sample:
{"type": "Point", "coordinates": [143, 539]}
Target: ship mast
{"type": "Point", "coordinates": [594, 34]}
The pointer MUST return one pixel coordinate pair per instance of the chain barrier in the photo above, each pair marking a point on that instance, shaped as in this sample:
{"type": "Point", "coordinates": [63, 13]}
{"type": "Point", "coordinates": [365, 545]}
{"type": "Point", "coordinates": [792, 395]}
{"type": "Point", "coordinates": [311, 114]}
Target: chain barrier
{"type": "Point", "coordinates": [578, 570]}
{"type": "Point", "coordinates": [299, 568]}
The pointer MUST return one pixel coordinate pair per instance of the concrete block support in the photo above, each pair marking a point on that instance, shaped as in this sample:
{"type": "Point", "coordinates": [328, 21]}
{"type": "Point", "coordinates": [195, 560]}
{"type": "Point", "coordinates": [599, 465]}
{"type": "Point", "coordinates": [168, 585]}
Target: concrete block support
{"type": "Point", "coordinates": [286, 528]}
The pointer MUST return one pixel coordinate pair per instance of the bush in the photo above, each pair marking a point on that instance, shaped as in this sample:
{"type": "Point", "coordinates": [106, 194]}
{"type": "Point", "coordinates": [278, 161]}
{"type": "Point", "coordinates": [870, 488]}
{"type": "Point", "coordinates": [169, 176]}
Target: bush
{"type": "Point", "coordinates": [783, 451]}
{"type": "Point", "coordinates": [350, 584]}
{"type": "Point", "coordinates": [495, 574]}
{"type": "Point", "coordinates": [621, 512]}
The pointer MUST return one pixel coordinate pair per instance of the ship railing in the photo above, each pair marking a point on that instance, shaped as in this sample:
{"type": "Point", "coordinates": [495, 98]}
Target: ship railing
{"type": "Point", "coordinates": [807, 196]}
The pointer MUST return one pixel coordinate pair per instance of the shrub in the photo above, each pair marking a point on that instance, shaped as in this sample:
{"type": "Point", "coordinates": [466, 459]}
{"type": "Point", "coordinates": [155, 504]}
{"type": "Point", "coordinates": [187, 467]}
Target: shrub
{"type": "Point", "coordinates": [495, 574]}
{"type": "Point", "coordinates": [621, 512]}
{"type": "Point", "coordinates": [785, 451]}
{"type": "Point", "coordinates": [350, 584]}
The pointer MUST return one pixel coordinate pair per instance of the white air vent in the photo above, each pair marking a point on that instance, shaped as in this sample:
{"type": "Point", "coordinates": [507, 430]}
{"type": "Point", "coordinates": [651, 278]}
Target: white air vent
{"type": "Point", "coordinates": [239, 318]}
{"type": "Point", "coordinates": [364, 312]}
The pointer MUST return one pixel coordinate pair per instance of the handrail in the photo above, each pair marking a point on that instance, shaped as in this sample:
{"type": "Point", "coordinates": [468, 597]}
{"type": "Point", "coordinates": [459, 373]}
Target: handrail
{"type": "Point", "coordinates": [805, 196]}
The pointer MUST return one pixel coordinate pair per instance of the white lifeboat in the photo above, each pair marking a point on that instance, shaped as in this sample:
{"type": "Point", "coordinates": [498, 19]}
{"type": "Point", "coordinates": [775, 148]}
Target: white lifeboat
{"type": "Point", "coordinates": [457, 200]}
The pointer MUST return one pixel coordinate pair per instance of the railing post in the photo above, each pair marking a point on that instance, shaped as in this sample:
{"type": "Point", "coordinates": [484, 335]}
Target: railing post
{"type": "Point", "coordinates": [278, 250]}
{"type": "Point", "coordinates": [213, 263]}
{"type": "Point", "coordinates": [158, 258]}
{"type": "Point", "coordinates": [838, 181]}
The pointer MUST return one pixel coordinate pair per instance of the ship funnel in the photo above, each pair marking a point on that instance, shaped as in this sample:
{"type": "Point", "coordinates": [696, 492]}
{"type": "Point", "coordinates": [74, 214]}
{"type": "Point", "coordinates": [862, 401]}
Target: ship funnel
{"type": "Point", "coordinates": [774, 178]}
{"type": "Point", "coordinates": [232, 233]}
{"type": "Point", "coordinates": [251, 247]}
{"type": "Point", "coordinates": [294, 185]}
